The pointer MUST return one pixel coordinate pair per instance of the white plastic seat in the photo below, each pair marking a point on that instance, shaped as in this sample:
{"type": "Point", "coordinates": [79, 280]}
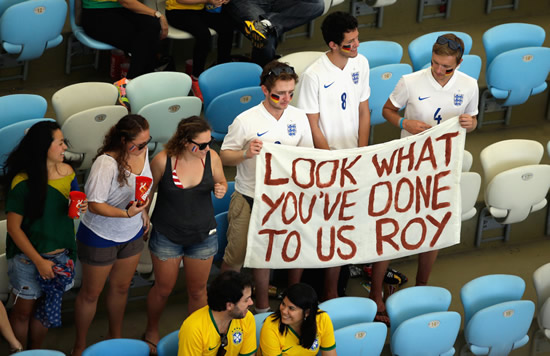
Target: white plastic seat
{"type": "Point", "coordinates": [470, 183]}
{"type": "Point", "coordinates": [541, 338]}
{"type": "Point", "coordinates": [300, 61]}
{"type": "Point", "coordinates": [467, 161]}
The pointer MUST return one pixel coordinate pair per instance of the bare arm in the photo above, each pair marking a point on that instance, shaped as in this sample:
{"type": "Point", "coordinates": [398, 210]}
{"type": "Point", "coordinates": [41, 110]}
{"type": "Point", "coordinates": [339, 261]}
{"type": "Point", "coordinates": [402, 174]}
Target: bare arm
{"type": "Point", "coordinates": [364, 124]}
{"type": "Point", "coordinates": [235, 157]}
{"type": "Point", "coordinates": [328, 353]}
{"type": "Point", "coordinates": [220, 186]}
{"type": "Point", "coordinates": [319, 140]}
{"type": "Point", "coordinates": [391, 114]}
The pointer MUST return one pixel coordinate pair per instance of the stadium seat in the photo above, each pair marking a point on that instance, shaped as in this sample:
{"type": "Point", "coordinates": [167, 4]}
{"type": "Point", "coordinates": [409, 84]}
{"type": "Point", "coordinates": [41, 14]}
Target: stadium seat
{"type": "Point", "coordinates": [221, 231]}
{"type": "Point", "coordinates": [541, 338]}
{"type": "Point", "coordinates": [168, 345]}
{"type": "Point", "coordinates": [363, 339]}
{"type": "Point", "coordinates": [259, 319]}
{"type": "Point", "coordinates": [300, 61]}
{"type": "Point", "coordinates": [41, 352]}
{"type": "Point", "coordinates": [346, 311]}
{"type": "Point", "coordinates": [226, 107]}
{"type": "Point", "coordinates": [118, 347]}
{"type": "Point", "coordinates": [381, 52]}
{"type": "Point", "coordinates": [420, 49]}
{"type": "Point", "coordinates": [226, 77]}
{"type": "Point", "coordinates": [20, 107]}
{"type": "Point", "coordinates": [470, 183]}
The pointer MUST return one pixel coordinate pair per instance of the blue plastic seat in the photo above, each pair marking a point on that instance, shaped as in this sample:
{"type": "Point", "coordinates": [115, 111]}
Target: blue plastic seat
{"type": "Point", "coordinates": [498, 329]}
{"type": "Point", "coordinates": [168, 345]}
{"type": "Point", "coordinates": [420, 49]}
{"type": "Point", "coordinates": [222, 205]}
{"type": "Point", "coordinates": [5, 4]}
{"type": "Point", "coordinates": [152, 87]}
{"type": "Point", "coordinates": [471, 65]}
{"type": "Point", "coordinates": [414, 301]}
{"type": "Point", "coordinates": [431, 334]}
{"type": "Point", "coordinates": [259, 319]}
{"type": "Point", "coordinates": [509, 36]}
{"type": "Point", "coordinates": [345, 311]}
{"type": "Point", "coordinates": [226, 77]}
{"type": "Point", "coordinates": [11, 135]}
{"type": "Point", "coordinates": [363, 339]}
{"type": "Point", "coordinates": [41, 353]}
{"type": "Point", "coordinates": [226, 107]}
{"type": "Point", "coordinates": [381, 52]}
{"type": "Point", "coordinates": [20, 107]}
{"type": "Point", "coordinates": [221, 231]}
{"type": "Point", "coordinates": [118, 347]}
{"type": "Point", "coordinates": [382, 81]}
{"type": "Point", "coordinates": [82, 37]}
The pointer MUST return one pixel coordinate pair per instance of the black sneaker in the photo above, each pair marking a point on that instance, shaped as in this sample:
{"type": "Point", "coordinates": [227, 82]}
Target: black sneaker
{"type": "Point", "coordinates": [256, 31]}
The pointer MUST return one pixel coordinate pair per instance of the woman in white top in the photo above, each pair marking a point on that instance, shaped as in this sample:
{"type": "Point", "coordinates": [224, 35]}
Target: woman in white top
{"type": "Point", "coordinates": [110, 236]}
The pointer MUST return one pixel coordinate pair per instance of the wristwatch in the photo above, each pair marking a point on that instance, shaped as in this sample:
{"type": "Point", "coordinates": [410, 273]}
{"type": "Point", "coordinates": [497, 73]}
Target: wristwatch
{"type": "Point", "coordinates": [158, 15]}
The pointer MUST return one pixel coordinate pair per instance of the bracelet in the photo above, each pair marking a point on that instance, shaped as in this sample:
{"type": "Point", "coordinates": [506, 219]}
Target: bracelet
{"type": "Point", "coordinates": [127, 213]}
{"type": "Point", "coordinates": [401, 123]}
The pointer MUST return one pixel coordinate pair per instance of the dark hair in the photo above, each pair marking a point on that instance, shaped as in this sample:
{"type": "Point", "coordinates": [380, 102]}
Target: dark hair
{"type": "Point", "coordinates": [30, 156]}
{"type": "Point", "coordinates": [125, 130]}
{"type": "Point", "coordinates": [227, 288]}
{"type": "Point", "coordinates": [336, 24]}
{"type": "Point", "coordinates": [268, 78]}
{"type": "Point", "coordinates": [303, 296]}
{"type": "Point", "coordinates": [187, 130]}
{"type": "Point", "coordinates": [445, 50]}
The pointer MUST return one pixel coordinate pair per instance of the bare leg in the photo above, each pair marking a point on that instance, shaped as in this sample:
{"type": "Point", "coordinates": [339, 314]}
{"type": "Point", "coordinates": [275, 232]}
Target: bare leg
{"type": "Point", "coordinates": [38, 333]}
{"type": "Point", "coordinates": [261, 281]}
{"type": "Point", "coordinates": [196, 278]}
{"type": "Point", "coordinates": [377, 282]}
{"type": "Point", "coordinates": [93, 281]}
{"type": "Point", "coordinates": [20, 317]}
{"type": "Point", "coordinates": [119, 283]}
{"type": "Point", "coordinates": [331, 283]}
{"type": "Point", "coordinates": [295, 276]}
{"type": "Point", "coordinates": [7, 331]}
{"type": "Point", "coordinates": [425, 263]}
{"type": "Point", "coordinates": [166, 275]}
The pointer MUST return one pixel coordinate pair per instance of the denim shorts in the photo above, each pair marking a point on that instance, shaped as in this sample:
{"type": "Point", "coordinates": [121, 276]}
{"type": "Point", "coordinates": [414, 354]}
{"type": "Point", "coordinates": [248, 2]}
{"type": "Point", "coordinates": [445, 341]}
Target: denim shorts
{"type": "Point", "coordinates": [23, 273]}
{"type": "Point", "coordinates": [164, 249]}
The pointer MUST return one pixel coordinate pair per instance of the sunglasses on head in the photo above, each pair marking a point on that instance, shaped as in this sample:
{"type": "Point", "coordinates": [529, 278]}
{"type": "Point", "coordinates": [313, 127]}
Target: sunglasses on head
{"type": "Point", "coordinates": [202, 146]}
{"type": "Point", "coordinates": [141, 145]}
{"type": "Point", "coordinates": [441, 40]}
{"type": "Point", "coordinates": [278, 70]}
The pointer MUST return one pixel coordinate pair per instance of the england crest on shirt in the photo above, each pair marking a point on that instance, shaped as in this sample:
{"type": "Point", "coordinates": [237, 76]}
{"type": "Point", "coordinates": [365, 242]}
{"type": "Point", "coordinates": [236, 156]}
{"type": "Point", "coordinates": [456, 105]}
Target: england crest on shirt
{"type": "Point", "coordinates": [355, 77]}
{"type": "Point", "coordinates": [291, 128]}
{"type": "Point", "coordinates": [458, 99]}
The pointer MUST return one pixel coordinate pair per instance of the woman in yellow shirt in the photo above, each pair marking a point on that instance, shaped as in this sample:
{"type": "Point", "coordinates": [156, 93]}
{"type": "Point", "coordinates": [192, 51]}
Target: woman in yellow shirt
{"type": "Point", "coordinates": [298, 327]}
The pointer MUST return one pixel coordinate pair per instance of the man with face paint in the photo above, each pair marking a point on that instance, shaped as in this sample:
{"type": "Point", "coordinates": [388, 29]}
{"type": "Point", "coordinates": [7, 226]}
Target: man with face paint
{"type": "Point", "coordinates": [431, 95]}
{"type": "Point", "coordinates": [275, 121]}
{"type": "Point", "coordinates": [335, 96]}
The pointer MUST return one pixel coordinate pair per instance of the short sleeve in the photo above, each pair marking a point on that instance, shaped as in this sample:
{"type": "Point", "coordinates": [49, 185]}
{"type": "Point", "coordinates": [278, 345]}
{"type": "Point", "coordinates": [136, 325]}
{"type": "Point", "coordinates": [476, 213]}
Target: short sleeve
{"type": "Point", "coordinates": [269, 338]}
{"type": "Point", "coordinates": [15, 201]}
{"type": "Point", "coordinates": [102, 173]}
{"type": "Point", "coordinates": [236, 138]}
{"type": "Point", "coordinates": [249, 335]}
{"type": "Point", "coordinates": [365, 90]}
{"type": "Point", "coordinates": [309, 93]}
{"type": "Point", "coordinates": [472, 107]}
{"type": "Point", "coordinates": [400, 95]}
{"type": "Point", "coordinates": [326, 331]}
{"type": "Point", "coordinates": [190, 340]}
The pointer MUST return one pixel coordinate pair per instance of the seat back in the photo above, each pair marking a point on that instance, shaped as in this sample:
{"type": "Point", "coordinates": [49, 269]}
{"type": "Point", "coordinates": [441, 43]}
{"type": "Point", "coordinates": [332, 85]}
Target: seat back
{"type": "Point", "coordinates": [488, 290]}
{"type": "Point", "coordinates": [500, 328]}
{"type": "Point", "coordinates": [427, 334]}
{"type": "Point", "coordinates": [116, 347]}
{"type": "Point", "coordinates": [225, 77]}
{"type": "Point", "coordinates": [345, 311]}
{"type": "Point", "coordinates": [226, 107]}
{"type": "Point", "coordinates": [509, 36]}
{"type": "Point", "coordinates": [364, 339]}
{"type": "Point", "coordinates": [467, 161]}
{"type": "Point", "coordinates": [470, 183]}
{"type": "Point", "coordinates": [508, 154]}
{"type": "Point", "coordinates": [420, 49]}
{"type": "Point", "coordinates": [471, 65]}
{"type": "Point", "coordinates": [78, 97]}
{"type": "Point", "coordinates": [222, 205]}
{"type": "Point", "coordinates": [30, 27]}
{"type": "Point", "coordinates": [11, 135]}
{"type": "Point", "coordinates": [19, 107]}
{"type": "Point", "coordinates": [165, 115]}
{"type": "Point", "coordinates": [541, 281]}
{"type": "Point", "coordinates": [168, 345]}
{"type": "Point", "coordinates": [259, 319]}
{"type": "Point", "coordinates": [152, 87]}
{"type": "Point", "coordinates": [381, 52]}
{"type": "Point", "coordinates": [414, 301]}
{"type": "Point", "coordinates": [5, 4]}
{"type": "Point", "coordinates": [41, 352]}
{"type": "Point", "coordinates": [86, 130]}
{"type": "Point", "coordinates": [517, 74]}
{"type": "Point", "coordinates": [300, 61]}
{"type": "Point", "coordinates": [382, 81]}
{"type": "Point", "coordinates": [221, 231]}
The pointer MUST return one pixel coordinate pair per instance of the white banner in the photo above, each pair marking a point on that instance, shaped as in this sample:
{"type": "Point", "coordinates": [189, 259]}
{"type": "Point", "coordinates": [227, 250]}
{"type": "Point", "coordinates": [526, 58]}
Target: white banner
{"type": "Point", "coordinates": [319, 208]}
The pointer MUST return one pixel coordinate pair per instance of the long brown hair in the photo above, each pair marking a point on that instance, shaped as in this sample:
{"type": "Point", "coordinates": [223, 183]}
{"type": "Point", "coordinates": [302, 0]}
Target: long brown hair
{"type": "Point", "coordinates": [187, 130]}
{"type": "Point", "coordinates": [126, 130]}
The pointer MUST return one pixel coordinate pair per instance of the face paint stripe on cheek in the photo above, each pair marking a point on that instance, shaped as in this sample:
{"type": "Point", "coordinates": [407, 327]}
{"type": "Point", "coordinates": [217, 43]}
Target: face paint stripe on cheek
{"type": "Point", "coordinates": [275, 98]}
{"type": "Point", "coordinates": [346, 48]}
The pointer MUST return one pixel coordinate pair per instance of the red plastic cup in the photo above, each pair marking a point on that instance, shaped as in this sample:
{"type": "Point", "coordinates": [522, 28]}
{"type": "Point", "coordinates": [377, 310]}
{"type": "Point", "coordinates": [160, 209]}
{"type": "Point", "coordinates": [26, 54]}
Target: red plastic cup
{"type": "Point", "coordinates": [142, 189]}
{"type": "Point", "coordinates": [75, 199]}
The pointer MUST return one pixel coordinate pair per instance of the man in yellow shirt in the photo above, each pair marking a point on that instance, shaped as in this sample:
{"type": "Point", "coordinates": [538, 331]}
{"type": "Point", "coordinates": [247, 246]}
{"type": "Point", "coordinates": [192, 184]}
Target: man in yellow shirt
{"type": "Point", "coordinates": [224, 323]}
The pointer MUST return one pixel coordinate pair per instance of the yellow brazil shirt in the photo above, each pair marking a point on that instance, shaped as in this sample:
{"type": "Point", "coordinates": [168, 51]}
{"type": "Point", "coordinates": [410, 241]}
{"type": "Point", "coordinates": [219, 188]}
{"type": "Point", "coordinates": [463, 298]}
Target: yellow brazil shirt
{"type": "Point", "coordinates": [272, 343]}
{"type": "Point", "coordinates": [199, 335]}
{"type": "Point", "coordinates": [174, 5]}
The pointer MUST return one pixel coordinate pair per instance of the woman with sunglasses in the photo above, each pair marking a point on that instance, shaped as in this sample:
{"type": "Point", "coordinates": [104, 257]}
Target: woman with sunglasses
{"type": "Point", "coordinates": [298, 327]}
{"type": "Point", "coordinates": [184, 227]}
{"type": "Point", "coordinates": [110, 236]}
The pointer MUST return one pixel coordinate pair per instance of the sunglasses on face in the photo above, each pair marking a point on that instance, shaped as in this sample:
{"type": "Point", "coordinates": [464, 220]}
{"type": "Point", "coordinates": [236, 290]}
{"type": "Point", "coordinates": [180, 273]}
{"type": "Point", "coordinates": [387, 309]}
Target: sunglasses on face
{"type": "Point", "coordinates": [278, 70]}
{"type": "Point", "coordinates": [452, 44]}
{"type": "Point", "coordinates": [141, 145]}
{"type": "Point", "coordinates": [202, 146]}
